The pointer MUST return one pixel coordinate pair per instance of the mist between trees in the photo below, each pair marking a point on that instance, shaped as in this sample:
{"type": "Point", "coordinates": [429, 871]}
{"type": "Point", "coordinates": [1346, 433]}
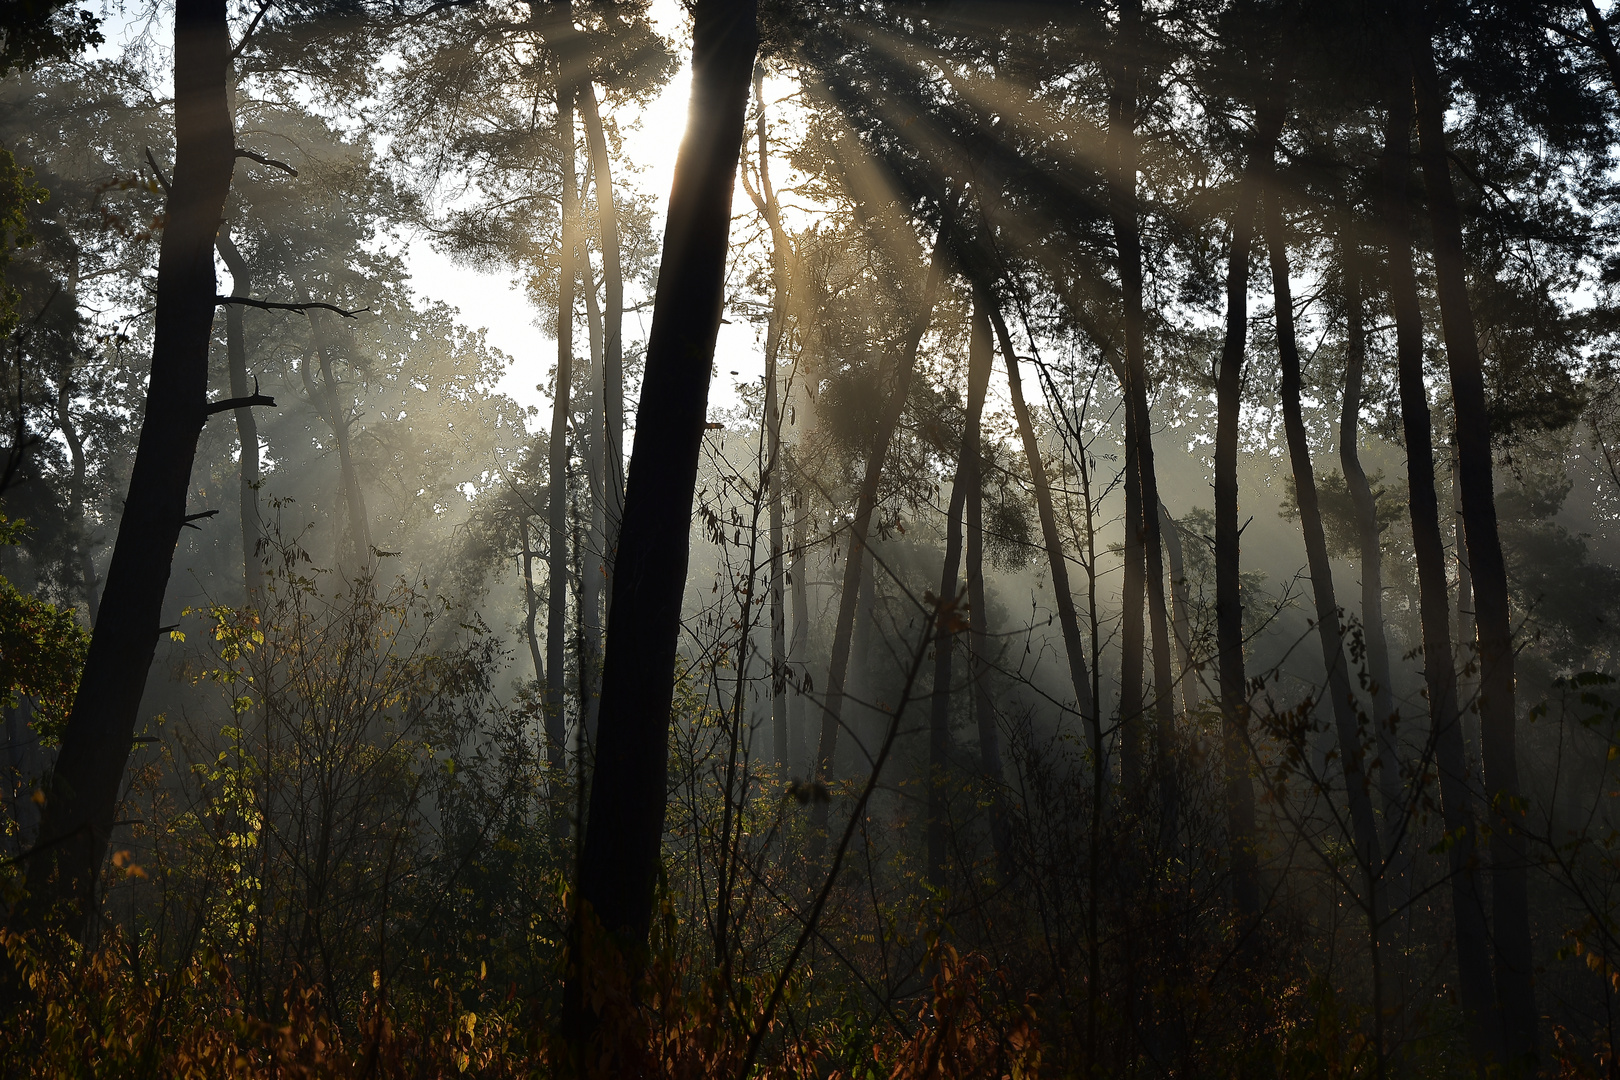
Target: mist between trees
{"type": "Point", "coordinates": [1155, 615]}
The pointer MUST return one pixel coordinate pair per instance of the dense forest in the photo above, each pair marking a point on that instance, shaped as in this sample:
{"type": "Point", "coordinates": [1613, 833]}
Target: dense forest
{"type": "Point", "coordinates": [1043, 538]}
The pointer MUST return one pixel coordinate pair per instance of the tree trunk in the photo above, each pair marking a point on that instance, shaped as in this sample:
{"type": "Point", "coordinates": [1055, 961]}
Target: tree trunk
{"type": "Point", "coordinates": [592, 554]}
{"type": "Point", "coordinates": [1228, 599]}
{"type": "Point", "coordinates": [1132, 629]}
{"type": "Point", "coordinates": [531, 602]}
{"type": "Point", "coordinates": [247, 425]}
{"type": "Point", "coordinates": [1509, 886]}
{"type": "Point", "coordinates": [774, 462]}
{"type": "Point", "coordinates": [336, 414]}
{"type": "Point", "coordinates": [607, 220]}
{"type": "Point", "coordinates": [798, 703]}
{"type": "Point", "coordinates": [981, 358]}
{"type": "Point", "coordinates": [1124, 211]}
{"type": "Point", "coordinates": [76, 515]}
{"type": "Point", "coordinates": [1390, 787]}
{"type": "Point", "coordinates": [1056, 562]}
{"type": "Point", "coordinates": [1357, 785]}
{"type": "Point", "coordinates": [1188, 680]}
{"type": "Point", "coordinates": [82, 796]}
{"type": "Point", "coordinates": [838, 668]}
{"type": "Point", "coordinates": [1440, 676]}
{"type": "Point", "coordinates": [620, 854]}
{"type": "Point", "coordinates": [939, 726]}
{"type": "Point", "coordinates": [557, 452]}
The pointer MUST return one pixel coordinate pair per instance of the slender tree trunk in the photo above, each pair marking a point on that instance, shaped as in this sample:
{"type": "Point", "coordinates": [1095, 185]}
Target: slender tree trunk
{"type": "Point", "coordinates": [1132, 629]}
{"type": "Point", "coordinates": [1390, 787]}
{"type": "Point", "coordinates": [1056, 562]}
{"type": "Point", "coordinates": [798, 721]}
{"type": "Point", "coordinates": [82, 796]}
{"type": "Point", "coordinates": [531, 601]}
{"type": "Point", "coordinates": [1124, 211]}
{"type": "Point", "coordinates": [981, 358]}
{"type": "Point", "coordinates": [1440, 677]}
{"type": "Point", "coordinates": [774, 461]}
{"type": "Point", "coordinates": [1357, 784]}
{"type": "Point", "coordinates": [607, 220]}
{"type": "Point", "coordinates": [939, 726]}
{"type": "Point", "coordinates": [1188, 681]}
{"type": "Point", "coordinates": [1240, 822]}
{"type": "Point", "coordinates": [557, 504]}
{"type": "Point", "coordinates": [838, 669]}
{"type": "Point", "coordinates": [336, 414]}
{"type": "Point", "coordinates": [620, 854]}
{"type": "Point", "coordinates": [1509, 870]}
{"type": "Point", "coordinates": [76, 487]}
{"type": "Point", "coordinates": [247, 425]}
{"type": "Point", "coordinates": [593, 553]}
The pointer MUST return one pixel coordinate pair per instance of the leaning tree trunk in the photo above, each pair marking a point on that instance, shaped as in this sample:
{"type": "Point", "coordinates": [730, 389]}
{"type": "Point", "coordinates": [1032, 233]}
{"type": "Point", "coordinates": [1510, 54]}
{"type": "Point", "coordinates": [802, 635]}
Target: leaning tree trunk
{"type": "Point", "coordinates": [1497, 709]}
{"type": "Point", "coordinates": [939, 724]}
{"type": "Point", "coordinates": [619, 857]}
{"type": "Point", "coordinates": [1056, 561]}
{"type": "Point", "coordinates": [557, 453]}
{"type": "Point", "coordinates": [1439, 674]}
{"type": "Point", "coordinates": [832, 711]}
{"type": "Point", "coordinates": [82, 795]}
{"type": "Point", "coordinates": [1372, 573]}
{"type": "Point", "coordinates": [1228, 598]}
{"type": "Point", "coordinates": [247, 425]}
{"type": "Point", "coordinates": [1358, 791]}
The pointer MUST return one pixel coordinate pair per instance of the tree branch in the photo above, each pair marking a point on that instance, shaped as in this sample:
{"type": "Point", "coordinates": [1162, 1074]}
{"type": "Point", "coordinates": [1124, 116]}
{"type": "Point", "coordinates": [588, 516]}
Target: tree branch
{"type": "Point", "coordinates": [163, 181]}
{"type": "Point", "coordinates": [186, 522]}
{"type": "Point", "coordinates": [267, 305]}
{"type": "Point", "coordinates": [243, 152]}
{"type": "Point", "coordinates": [247, 34]}
{"type": "Point", "coordinates": [229, 404]}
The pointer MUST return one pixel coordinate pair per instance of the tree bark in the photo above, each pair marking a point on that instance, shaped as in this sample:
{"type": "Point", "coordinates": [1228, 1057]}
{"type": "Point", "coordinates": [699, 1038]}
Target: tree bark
{"type": "Point", "coordinates": [1056, 562]}
{"type": "Point", "coordinates": [1132, 628]}
{"type": "Point", "coordinates": [798, 703]}
{"type": "Point", "coordinates": [1357, 785]}
{"type": "Point", "coordinates": [557, 453]}
{"type": "Point", "coordinates": [592, 554]}
{"type": "Point", "coordinates": [1240, 822]}
{"type": "Point", "coordinates": [620, 854]}
{"type": "Point", "coordinates": [843, 631]}
{"type": "Point", "coordinates": [247, 425]}
{"type": "Point", "coordinates": [1509, 872]}
{"type": "Point", "coordinates": [82, 796]}
{"type": "Point", "coordinates": [1440, 676]}
{"type": "Point", "coordinates": [81, 533]}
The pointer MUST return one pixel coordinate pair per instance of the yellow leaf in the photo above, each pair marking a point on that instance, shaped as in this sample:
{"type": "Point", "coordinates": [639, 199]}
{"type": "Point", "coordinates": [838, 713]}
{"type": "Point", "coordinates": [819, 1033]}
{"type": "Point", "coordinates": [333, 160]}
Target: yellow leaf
{"type": "Point", "coordinates": [38, 796]}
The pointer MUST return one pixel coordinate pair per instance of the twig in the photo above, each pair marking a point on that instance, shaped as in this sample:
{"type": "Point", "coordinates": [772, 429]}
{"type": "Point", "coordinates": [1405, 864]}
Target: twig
{"type": "Point", "coordinates": [163, 181]}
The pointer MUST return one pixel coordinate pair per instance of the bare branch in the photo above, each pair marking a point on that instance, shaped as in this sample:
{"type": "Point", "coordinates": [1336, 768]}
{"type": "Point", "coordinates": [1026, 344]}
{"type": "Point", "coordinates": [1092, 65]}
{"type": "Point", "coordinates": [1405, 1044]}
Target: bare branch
{"type": "Point", "coordinates": [163, 181]}
{"type": "Point", "coordinates": [189, 518]}
{"type": "Point", "coordinates": [229, 404]}
{"type": "Point", "coordinates": [247, 35]}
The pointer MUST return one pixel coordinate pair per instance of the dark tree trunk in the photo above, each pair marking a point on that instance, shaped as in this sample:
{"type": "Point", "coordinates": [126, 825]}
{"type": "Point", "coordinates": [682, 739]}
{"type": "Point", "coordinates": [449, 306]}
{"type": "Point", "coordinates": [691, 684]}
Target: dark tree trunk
{"type": "Point", "coordinates": [620, 854]}
{"type": "Point", "coordinates": [1228, 599]}
{"type": "Point", "coordinates": [1390, 787]}
{"type": "Point", "coordinates": [592, 552]}
{"type": "Point", "coordinates": [247, 425]}
{"type": "Point", "coordinates": [557, 451]}
{"type": "Point", "coordinates": [798, 702]}
{"type": "Point", "coordinates": [1329, 631]}
{"type": "Point", "coordinates": [1498, 714]}
{"type": "Point", "coordinates": [1440, 676]}
{"type": "Point", "coordinates": [843, 631]}
{"type": "Point", "coordinates": [607, 220]}
{"type": "Point", "coordinates": [1132, 628]}
{"type": "Point", "coordinates": [531, 601]}
{"type": "Point", "coordinates": [82, 796]}
{"type": "Point", "coordinates": [1056, 562]}
{"type": "Point", "coordinates": [324, 397]}
{"type": "Point", "coordinates": [939, 726]}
